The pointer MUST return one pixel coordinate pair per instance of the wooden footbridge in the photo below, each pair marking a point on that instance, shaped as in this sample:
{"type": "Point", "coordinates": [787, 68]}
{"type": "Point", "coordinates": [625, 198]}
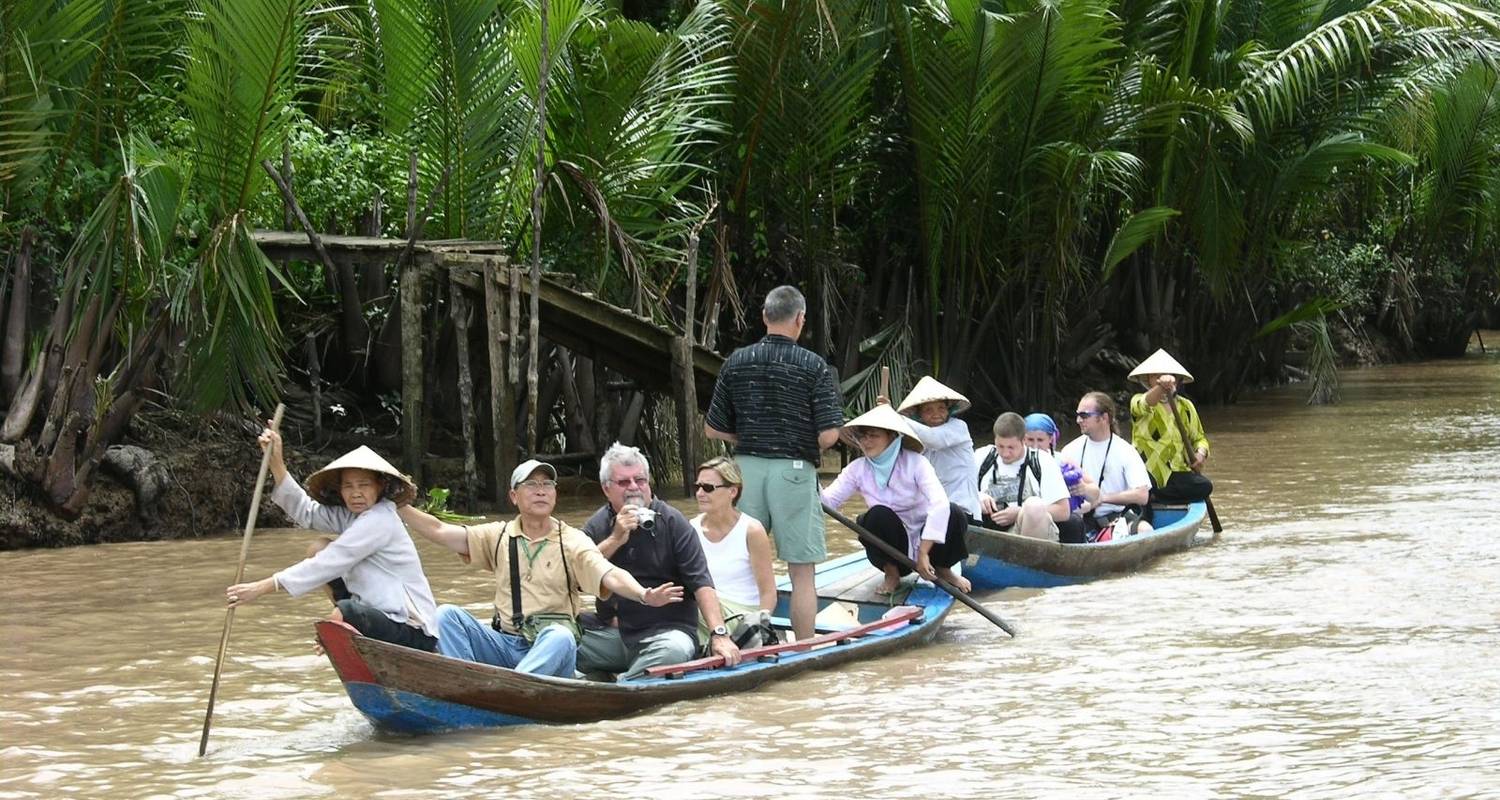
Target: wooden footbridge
{"type": "Point", "coordinates": [656, 358]}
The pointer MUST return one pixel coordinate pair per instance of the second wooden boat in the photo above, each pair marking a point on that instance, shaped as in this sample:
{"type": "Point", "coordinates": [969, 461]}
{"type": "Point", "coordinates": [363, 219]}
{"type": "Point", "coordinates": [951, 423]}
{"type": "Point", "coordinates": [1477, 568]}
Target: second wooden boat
{"type": "Point", "coordinates": [1002, 560]}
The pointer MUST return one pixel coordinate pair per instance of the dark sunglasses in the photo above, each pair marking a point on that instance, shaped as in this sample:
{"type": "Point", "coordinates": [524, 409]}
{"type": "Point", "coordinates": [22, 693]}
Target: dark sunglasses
{"type": "Point", "coordinates": [708, 488]}
{"type": "Point", "coordinates": [1088, 414]}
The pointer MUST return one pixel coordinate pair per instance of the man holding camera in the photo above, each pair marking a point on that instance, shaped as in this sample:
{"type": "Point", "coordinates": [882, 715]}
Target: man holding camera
{"type": "Point", "coordinates": [540, 563]}
{"type": "Point", "coordinates": [654, 542]}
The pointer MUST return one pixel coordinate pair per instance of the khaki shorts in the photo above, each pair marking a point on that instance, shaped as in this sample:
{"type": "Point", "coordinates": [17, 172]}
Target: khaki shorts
{"type": "Point", "coordinates": [783, 494]}
{"type": "Point", "coordinates": [1047, 532]}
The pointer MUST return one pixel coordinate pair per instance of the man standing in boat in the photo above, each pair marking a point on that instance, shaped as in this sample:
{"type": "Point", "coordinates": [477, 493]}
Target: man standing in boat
{"type": "Point", "coordinates": [540, 563]}
{"type": "Point", "coordinates": [654, 542]}
{"type": "Point", "coordinates": [780, 406]}
{"type": "Point", "coordinates": [1159, 420]}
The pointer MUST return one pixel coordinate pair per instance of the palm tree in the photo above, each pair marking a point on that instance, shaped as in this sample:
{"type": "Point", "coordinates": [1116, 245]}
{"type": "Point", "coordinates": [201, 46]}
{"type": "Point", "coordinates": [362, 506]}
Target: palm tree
{"type": "Point", "coordinates": [126, 295]}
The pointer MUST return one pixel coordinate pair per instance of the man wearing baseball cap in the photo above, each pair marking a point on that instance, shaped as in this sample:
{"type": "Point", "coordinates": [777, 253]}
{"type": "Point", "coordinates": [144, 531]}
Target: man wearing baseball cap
{"type": "Point", "coordinates": [541, 564]}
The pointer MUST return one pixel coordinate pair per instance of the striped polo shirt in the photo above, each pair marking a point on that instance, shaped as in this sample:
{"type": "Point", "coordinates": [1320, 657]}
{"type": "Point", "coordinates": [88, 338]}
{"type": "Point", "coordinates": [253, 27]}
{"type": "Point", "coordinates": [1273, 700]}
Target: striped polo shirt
{"type": "Point", "coordinates": [776, 397]}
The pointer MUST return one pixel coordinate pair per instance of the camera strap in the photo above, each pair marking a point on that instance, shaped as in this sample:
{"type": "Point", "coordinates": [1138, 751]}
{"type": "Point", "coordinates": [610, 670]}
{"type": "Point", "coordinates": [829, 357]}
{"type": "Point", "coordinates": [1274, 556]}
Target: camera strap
{"type": "Point", "coordinates": [517, 618]}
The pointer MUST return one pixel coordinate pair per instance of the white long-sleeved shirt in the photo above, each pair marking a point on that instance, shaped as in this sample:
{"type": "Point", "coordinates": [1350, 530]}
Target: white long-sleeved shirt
{"type": "Point", "coordinates": [950, 448]}
{"type": "Point", "coordinates": [373, 554]}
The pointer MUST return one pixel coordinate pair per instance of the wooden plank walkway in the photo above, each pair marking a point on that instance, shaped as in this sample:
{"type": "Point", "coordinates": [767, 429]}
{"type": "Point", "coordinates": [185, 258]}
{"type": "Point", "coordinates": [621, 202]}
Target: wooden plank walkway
{"type": "Point", "coordinates": [628, 343]}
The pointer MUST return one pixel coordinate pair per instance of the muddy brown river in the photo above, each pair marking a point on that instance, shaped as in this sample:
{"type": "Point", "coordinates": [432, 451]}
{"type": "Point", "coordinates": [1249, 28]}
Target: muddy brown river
{"type": "Point", "coordinates": [1341, 639]}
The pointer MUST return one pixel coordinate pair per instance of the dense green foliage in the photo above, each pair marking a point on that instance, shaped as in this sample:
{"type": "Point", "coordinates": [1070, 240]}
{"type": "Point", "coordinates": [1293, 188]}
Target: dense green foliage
{"type": "Point", "coordinates": [994, 191]}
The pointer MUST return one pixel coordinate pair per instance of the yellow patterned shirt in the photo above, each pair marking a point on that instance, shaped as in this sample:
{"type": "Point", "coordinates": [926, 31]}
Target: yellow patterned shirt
{"type": "Point", "coordinates": [1155, 435]}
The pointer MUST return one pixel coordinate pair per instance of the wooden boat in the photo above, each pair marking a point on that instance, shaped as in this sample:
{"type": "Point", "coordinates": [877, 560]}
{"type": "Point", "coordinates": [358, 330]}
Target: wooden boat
{"type": "Point", "coordinates": [1001, 560]}
{"type": "Point", "coordinates": [410, 691]}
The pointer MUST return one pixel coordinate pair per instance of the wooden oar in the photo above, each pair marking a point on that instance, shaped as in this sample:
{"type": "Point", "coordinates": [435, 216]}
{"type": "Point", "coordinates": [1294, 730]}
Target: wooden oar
{"type": "Point", "coordinates": [885, 383]}
{"type": "Point", "coordinates": [239, 576]}
{"type": "Point", "coordinates": [1187, 442]}
{"type": "Point", "coordinates": [900, 558]}
{"type": "Point", "coordinates": [905, 615]}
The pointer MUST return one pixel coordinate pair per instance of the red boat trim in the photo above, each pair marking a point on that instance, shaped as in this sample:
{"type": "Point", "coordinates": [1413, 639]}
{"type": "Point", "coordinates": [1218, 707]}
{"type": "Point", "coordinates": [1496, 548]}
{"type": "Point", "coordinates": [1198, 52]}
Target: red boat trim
{"type": "Point", "coordinates": [896, 616]}
{"type": "Point", "coordinates": [337, 639]}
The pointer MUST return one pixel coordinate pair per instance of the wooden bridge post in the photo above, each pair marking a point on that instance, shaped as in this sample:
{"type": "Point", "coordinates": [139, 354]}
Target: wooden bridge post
{"type": "Point", "coordinates": [411, 370]}
{"type": "Point", "coordinates": [687, 409]}
{"type": "Point", "coordinates": [459, 307]}
{"type": "Point", "coordinates": [682, 374]}
{"type": "Point", "coordinates": [502, 392]}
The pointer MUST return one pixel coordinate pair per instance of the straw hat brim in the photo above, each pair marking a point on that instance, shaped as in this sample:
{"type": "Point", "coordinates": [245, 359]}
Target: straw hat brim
{"type": "Point", "coordinates": [323, 485]}
{"type": "Point", "coordinates": [929, 389]}
{"type": "Point", "coordinates": [885, 418]}
{"type": "Point", "coordinates": [1160, 363]}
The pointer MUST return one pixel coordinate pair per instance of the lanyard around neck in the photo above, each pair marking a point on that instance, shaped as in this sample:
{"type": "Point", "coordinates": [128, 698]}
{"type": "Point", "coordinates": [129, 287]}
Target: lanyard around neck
{"type": "Point", "coordinates": [1083, 454]}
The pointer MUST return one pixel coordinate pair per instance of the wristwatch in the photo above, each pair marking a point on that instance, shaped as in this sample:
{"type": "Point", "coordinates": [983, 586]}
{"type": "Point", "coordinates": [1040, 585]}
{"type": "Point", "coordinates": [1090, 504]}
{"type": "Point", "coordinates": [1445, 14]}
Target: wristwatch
{"type": "Point", "coordinates": [720, 631]}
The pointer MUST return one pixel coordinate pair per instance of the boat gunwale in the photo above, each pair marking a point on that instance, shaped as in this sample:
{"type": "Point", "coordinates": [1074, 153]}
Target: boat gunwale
{"type": "Point", "coordinates": [1086, 560]}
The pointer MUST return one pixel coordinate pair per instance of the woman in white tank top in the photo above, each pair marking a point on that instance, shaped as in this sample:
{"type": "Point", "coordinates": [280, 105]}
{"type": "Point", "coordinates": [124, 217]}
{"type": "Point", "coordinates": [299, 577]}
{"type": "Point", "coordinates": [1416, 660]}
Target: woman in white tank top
{"type": "Point", "coordinates": [734, 543]}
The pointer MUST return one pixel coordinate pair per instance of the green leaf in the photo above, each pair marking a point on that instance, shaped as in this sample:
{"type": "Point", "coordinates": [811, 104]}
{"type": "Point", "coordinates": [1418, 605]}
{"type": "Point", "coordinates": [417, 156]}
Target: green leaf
{"type": "Point", "coordinates": [1313, 309]}
{"type": "Point", "coordinates": [1138, 229]}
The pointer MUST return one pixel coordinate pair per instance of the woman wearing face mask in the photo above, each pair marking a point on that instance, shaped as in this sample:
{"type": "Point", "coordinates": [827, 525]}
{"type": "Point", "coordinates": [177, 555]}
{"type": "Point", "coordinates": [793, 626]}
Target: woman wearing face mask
{"type": "Point", "coordinates": [908, 508]}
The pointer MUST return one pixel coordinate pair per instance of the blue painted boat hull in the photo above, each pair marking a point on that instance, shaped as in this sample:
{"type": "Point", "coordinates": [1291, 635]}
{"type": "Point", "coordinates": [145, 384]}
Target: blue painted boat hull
{"type": "Point", "coordinates": [1004, 560]}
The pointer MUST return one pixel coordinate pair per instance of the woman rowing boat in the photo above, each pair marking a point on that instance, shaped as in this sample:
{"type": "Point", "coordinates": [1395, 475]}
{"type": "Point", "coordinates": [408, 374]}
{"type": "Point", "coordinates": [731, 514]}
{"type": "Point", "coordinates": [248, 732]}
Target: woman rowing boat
{"type": "Point", "coordinates": [908, 508]}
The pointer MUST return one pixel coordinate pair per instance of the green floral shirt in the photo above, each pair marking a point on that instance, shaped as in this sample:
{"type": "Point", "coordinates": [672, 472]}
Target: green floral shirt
{"type": "Point", "coordinates": [1155, 435]}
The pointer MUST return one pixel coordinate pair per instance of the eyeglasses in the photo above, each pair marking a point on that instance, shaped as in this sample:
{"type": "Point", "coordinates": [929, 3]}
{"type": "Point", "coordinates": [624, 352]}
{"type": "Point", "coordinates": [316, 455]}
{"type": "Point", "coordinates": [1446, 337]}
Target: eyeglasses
{"type": "Point", "coordinates": [537, 486]}
{"type": "Point", "coordinates": [1088, 414]}
{"type": "Point", "coordinates": [708, 488]}
{"type": "Point", "coordinates": [626, 483]}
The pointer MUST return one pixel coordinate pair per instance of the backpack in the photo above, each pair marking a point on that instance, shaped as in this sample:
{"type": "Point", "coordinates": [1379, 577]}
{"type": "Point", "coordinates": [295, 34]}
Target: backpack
{"type": "Point", "coordinates": [1033, 462]}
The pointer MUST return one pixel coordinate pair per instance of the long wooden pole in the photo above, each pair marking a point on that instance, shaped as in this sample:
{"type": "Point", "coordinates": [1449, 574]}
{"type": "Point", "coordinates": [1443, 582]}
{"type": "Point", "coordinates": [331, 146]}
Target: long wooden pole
{"type": "Point", "coordinates": [239, 577]}
{"type": "Point", "coordinates": [1187, 443]}
{"type": "Point", "coordinates": [533, 391]}
{"type": "Point", "coordinates": [901, 558]}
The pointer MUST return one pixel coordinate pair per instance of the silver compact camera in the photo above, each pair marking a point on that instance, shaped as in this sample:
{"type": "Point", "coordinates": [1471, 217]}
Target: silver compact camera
{"type": "Point", "coordinates": [647, 519]}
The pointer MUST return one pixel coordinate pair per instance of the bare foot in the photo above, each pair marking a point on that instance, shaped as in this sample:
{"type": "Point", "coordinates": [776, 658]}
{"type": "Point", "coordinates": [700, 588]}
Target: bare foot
{"type": "Point", "coordinates": [892, 580]}
{"type": "Point", "coordinates": [957, 581]}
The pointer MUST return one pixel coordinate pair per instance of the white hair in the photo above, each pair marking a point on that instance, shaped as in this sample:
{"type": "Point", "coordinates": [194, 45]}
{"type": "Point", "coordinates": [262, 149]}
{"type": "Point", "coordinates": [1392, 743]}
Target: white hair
{"type": "Point", "coordinates": [619, 455]}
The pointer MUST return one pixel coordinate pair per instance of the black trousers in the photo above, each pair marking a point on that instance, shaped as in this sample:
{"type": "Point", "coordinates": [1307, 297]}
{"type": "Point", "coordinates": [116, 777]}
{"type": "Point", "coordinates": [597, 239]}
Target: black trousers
{"type": "Point", "coordinates": [372, 622]}
{"type": "Point", "coordinates": [1182, 487]}
{"type": "Point", "coordinates": [888, 528]}
{"type": "Point", "coordinates": [1073, 530]}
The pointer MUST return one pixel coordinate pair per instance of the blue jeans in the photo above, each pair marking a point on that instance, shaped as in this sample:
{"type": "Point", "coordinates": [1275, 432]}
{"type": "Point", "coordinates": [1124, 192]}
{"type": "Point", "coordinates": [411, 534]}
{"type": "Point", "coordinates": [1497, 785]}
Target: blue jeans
{"type": "Point", "coordinates": [460, 635]}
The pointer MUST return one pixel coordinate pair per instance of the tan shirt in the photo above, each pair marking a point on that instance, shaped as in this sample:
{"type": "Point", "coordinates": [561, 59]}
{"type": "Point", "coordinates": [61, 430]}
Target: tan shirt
{"type": "Point", "coordinates": [544, 588]}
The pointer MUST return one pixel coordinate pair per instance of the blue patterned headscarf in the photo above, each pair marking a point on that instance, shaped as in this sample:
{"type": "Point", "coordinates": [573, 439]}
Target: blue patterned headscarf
{"type": "Point", "coordinates": [1042, 422]}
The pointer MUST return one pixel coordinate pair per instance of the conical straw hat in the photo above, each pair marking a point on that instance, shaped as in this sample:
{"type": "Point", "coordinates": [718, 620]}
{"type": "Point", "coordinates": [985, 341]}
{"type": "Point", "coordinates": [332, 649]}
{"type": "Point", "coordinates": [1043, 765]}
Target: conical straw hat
{"type": "Point", "coordinates": [886, 418]}
{"type": "Point", "coordinates": [1160, 363]}
{"type": "Point", "coordinates": [929, 389]}
{"type": "Point", "coordinates": [323, 485]}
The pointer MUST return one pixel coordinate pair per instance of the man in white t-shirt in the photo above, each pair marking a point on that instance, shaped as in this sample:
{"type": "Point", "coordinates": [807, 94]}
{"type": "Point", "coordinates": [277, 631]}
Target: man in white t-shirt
{"type": "Point", "coordinates": [1111, 461]}
{"type": "Point", "coordinates": [1021, 490]}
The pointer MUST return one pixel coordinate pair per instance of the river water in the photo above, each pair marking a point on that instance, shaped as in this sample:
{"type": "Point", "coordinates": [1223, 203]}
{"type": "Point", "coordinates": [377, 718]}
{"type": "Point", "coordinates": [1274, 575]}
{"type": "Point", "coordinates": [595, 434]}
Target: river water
{"type": "Point", "coordinates": [1341, 639]}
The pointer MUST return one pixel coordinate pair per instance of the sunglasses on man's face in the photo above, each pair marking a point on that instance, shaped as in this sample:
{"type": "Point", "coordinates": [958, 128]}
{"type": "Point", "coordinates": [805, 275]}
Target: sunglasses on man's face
{"type": "Point", "coordinates": [1089, 414]}
{"type": "Point", "coordinates": [708, 488]}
